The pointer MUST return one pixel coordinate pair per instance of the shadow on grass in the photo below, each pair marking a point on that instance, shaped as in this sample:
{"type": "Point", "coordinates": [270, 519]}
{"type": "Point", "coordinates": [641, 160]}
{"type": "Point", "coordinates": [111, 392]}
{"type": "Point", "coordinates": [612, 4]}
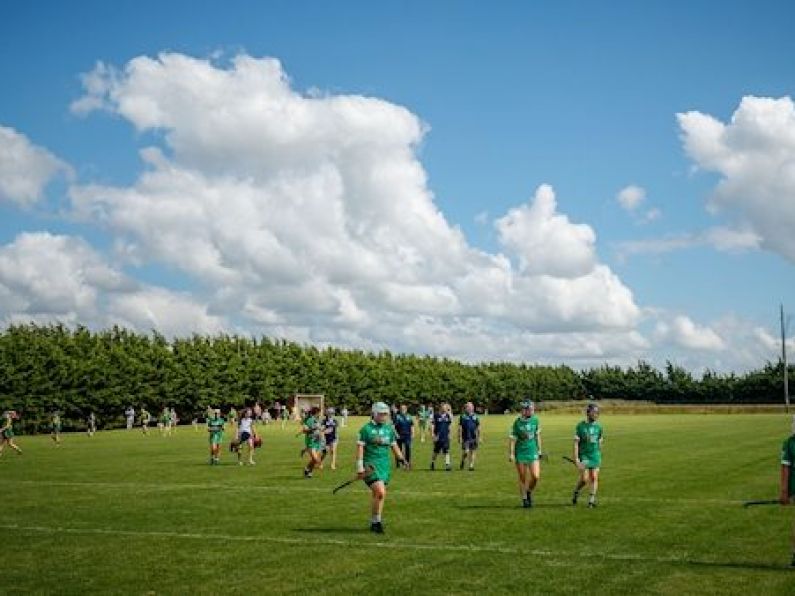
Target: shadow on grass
{"type": "Point", "coordinates": [734, 565]}
{"type": "Point", "coordinates": [332, 530]}
{"type": "Point", "coordinates": [516, 506]}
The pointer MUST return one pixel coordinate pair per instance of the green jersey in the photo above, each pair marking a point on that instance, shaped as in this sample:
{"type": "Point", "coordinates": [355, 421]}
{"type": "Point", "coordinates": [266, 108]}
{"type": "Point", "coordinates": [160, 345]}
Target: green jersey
{"type": "Point", "coordinates": [8, 426]}
{"type": "Point", "coordinates": [314, 439]}
{"type": "Point", "coordinates": [215, 426]}
{"type": "Point", "coordinates": [788, 459]}
{"type": "Point", "coordinates": [377, 440]}
{"type": "Point", "coordinates": [589, 437]}
{"type": "Point", "coordinates": [525, 432]}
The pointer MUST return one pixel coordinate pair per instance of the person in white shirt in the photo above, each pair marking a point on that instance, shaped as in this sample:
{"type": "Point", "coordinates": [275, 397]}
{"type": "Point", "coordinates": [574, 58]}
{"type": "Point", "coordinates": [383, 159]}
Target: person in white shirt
{"type": "Point", "coordinates": [246, 436]}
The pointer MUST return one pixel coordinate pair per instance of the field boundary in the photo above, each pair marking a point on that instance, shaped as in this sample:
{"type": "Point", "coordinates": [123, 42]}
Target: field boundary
{"type": "Point", "coordinates": [619, 406]}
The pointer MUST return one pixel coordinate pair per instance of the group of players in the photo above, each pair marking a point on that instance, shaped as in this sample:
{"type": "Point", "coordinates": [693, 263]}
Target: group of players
{"type": "Point", "coordinates": [379, 441]}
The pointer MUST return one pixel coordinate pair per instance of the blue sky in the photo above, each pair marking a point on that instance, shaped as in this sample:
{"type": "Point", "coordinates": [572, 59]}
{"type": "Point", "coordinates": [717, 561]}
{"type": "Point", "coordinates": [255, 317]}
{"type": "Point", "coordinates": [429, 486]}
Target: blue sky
{"type": "Point", "coordinates": [580, 96]}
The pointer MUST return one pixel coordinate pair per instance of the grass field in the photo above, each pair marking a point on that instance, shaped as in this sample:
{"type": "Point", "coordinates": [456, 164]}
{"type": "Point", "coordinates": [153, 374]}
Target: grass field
{"type": "Point", "coordinates": [121, 512]}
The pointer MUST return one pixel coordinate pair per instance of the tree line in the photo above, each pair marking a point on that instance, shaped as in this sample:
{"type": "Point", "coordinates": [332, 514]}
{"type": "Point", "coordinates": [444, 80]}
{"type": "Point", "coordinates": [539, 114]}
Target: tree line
{"type": "Point", "coordinates": [76, 371]}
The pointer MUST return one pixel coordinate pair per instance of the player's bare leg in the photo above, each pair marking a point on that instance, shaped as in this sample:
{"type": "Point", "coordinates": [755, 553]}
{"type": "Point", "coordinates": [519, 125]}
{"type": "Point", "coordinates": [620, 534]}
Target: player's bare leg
{"type": "Point", "coordinates": [378, 490]}
{"type": "Point", "coordinates": [593, 480]}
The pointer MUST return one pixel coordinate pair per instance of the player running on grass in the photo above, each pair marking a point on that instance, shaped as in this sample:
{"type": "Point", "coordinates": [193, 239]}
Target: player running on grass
{"type": "Point", "coordinates": [330, 438]}
{"type": "Point", "coordinates": [525, 449]}
{"type": "Point", "coordinates": [588, 438]}
{"type": "Point", "coordinates": [7, 431]}
{"type": "Point", "coordinates": [215, 428]}
{"type": "Point", "coordinates": [787, 490]}
{"type": "Point", "coordinates": [376, 439]}
{"type": "Point", "coordinates": [313, 440]}
{"type": "Point", "coordinates": [440, 430]}
{"type": "Point", "coordinates": [469, 435]}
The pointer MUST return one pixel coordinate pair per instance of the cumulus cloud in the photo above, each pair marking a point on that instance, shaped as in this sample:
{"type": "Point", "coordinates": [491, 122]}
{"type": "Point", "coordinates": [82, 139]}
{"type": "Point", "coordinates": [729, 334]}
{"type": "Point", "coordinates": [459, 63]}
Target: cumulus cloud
{"type": "Point", "coordinates": [754, 153]}
{"type": "Point", "coordinates": [25, 169]}
{"type": "Point", "coordinates": [545, 241]}
{"type": "Point", "coordinates": [680, 330]}
{"type": "Point", "coordinates": [54, 278]}
{"type": "Point", "coordinates": [310, 215]}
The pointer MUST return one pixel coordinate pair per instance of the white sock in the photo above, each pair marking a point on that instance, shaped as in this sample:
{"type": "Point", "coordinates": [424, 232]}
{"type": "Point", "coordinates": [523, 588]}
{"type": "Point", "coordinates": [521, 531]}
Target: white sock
{"type": "Point", "coordinates": [447, 459]}
{"type": "Point", "coordinates": [376, 519]}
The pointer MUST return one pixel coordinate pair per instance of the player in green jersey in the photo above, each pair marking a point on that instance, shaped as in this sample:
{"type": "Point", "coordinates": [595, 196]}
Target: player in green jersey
{"type": "Point", "coordinates": [787, 491]}
{"type": "Point", "coordinates": [377, 439]}
{"type": "Point", "coordinates": [588, 438]}
{"type": "Point", "coordinates": [313, 440]}
{"type": "Point", "coordinates": [7, 431]}
{"type": "Point", "coordinates": [424, 415]}
{"type": "Point", "coordinates": [525, 449]}
{"type": "Point", "coordinates": [164, 422]}
{"type": "Point", "coordinates": [215, 428]}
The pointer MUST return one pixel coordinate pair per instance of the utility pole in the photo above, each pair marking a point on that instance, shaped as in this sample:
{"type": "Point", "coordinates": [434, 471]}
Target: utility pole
{"type": "Point", "coordinates": [784, 358]}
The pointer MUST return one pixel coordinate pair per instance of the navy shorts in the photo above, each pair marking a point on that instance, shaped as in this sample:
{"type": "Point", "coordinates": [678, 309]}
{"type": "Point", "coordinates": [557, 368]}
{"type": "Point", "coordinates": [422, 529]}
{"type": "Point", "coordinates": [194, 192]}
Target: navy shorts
{"type": "Point", "coordinates": [442, 446]}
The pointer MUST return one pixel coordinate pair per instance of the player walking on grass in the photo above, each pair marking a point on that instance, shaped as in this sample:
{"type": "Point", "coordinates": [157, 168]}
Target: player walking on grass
{"type": "Point", "coordinates": [313, 440]}
{"type": "Point", "coordinates": [55, 427]}
{"type": "Point", "coordinates": [246, 436]}
{"type": "Point", "coordinates": [787, 489]}
{"type": "Point", "coordinates": [330, 438]}
{"type": "Point", "coordinates": [215, 428]}
{"type": "Point", "coordinates": [423, 415]}
{"type": "Point", "coordinates": [404, 425]}
{"type": "Point", "coordinates": [440, 430]}
{"type": "Point", "coordinates": [373, 465]}
{"type": "Point", "coordinates": [7, 431]}
{"type": "Point", "coordinates": [146, 418]}
{"type": "Point", "coordinates": [524, 446]}
{"type": "Point", "coordinates": [469, 435]}
{"type": "Point", "coordinates": [588, 438]}
{"type": "Point", "coordinates": [91, 424]}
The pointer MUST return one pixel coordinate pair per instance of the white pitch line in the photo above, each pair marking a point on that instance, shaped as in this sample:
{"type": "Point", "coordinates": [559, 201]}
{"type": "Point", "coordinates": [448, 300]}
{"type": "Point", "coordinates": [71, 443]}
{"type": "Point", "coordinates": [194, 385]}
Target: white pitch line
{"type": "Point", "coordinates": [139, 486]}
{"type": "Point", "coordinates": [364, 544]}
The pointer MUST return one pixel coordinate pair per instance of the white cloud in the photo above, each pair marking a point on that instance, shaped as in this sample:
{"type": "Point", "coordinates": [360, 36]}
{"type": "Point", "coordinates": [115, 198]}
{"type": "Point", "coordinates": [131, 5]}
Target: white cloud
{"type": "Point", "coordinates": [25, 169]}
{"type": "Point", "coordinates": [310, 215]}
{"type": "Point", "coordinates": [546, 242]}
{"type": "Point", "coordinates": [631, 197]}
{"type": "Point", "coordinates": [755, 155]}
{"type": "Point", "coordinates": [719, 238]}
{"type": "Point", "coordinates": [681, 331]}
{"type": "Point", "coordinates": [52, 278]}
